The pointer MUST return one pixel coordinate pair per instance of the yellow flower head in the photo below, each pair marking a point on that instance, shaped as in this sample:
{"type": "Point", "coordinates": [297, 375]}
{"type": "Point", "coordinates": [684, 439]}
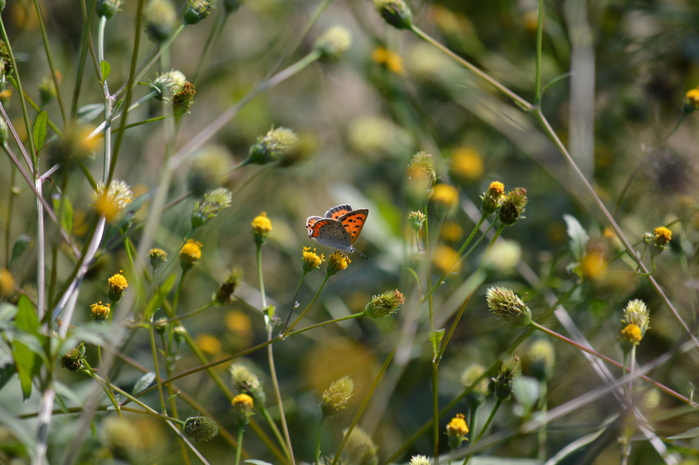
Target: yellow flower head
{"type": "Point", "coordinates": [311, 260]}
{"type": "Point", "coordinates": [7, 284]}
{"type": "Point", "coordinates": [117, 284]}
{"type": "Point", "coordinates": [631, 334]}
{"type": "Point", "coordinates": [208, 344]}
{"type": "Point", "coordinates": [457, 430]}
{"type": "Point", "coordinates": [190, 253]}
{"type": "Point", "coordinates": [388, 59]}
{"type": "Point", "coordinates": [466, 164]}
{"type": "Point", "coordinates": [635, 323]}
{"type": "Point", "coordinates": [445, 195]}
{"type": "Point", "coordinates": [337, 262]}
{"type": "Point", "coordinates": [157, 257]}
{"type": "Point", "coordinates": [111, 202]}
{"type": "Point", "coordinates": [261, 227]}
{"type": "Point", "coordinates": [662, 236]}
{"type": "Point", "coordinates": [492, 197]}
{"type": "Point", "coordinates": [594, 264]}
{"type": "Point", "coordinates": [242, 409]}
{"type": "Point", "coordinates": [693, 98]}
{"type": "Point", "coordinates": [100, 311]}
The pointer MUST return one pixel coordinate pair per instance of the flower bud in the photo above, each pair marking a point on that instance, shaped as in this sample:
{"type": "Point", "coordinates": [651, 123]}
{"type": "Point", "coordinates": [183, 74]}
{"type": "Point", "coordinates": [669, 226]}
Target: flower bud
{"type": "Point", "coordinates": [492, 197]}
{"type": "Point", "coordinates": [160, 18]}
{"type": "Point", "coordinates": [213, 203]}
{"type": "Point", "coordinates": [416, 219]}
{"type": "Point", "coordinates": [242, 409]}
{"type": "Point", "coordinates": [360, 449]}
{"type": "Point", "coordinates": [107, 8]}
{"type": "Point", "coordinates": [261, 227]}
{"type": "Point", "coordinates": [157, 257]}
{"type": "Point", "coordinates": [168, 84]}
{"type": "Point", "coordinates": [420, 460]}
{"type": "Point", "coordinates": [335, 398]}
{"type": "Point", "coordinates": [73, 360]}
{"type": "Point", "coordinates": [246, 382]}
{"type": "Point", "coordinates": [100, 311]}
{"type": "Point", "coordinates": [659, 240]}
{"type": "Point", "coordinates": [337, 262]}
{"type": "Point", "coordinates": [7, 284]}
{"type": "Point", "coordinates": [512, 206]}
{"type": "Point", "coordinates": [457, 430]}
{"type": "Point", "coordinates": [183, 100]}
{"type": "Point", "coordinates": [111, 202]}
{"type": "Point", "coordinates": [47, 88]}
{"type": "Point", "coordinates": [333, 43]}
{"type": "Point", "coordinates": [117, 284]}
{"type": "Point", "coordinates": [635, 323]}
{"type": "Point", "coordinates": [383, 305]}
{"type": "Point", "coordinates": [200, 428]}
{"type": "Point", "coordinates": [502, 384]}
{"type": "Point", "coordinates": [224, 293]}
{"type": "Point", "coordinates": [196, 10]}
{"type": "Point", "coordinates": [232, 6]}
{"type": "Point", "coordinates": [190, 253]}
{"type": "Point", "coordinates": [311, 260]}
{"type": "Point", "coordinates": [395, 12]}
{"type": "Point", "coordinates": [276, 143]}
{"type": "Point", "coordinates": [505, 304]}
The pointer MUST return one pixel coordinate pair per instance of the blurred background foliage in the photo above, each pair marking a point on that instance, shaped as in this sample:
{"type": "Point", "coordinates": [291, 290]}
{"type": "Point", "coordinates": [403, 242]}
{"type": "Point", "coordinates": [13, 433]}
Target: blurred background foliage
{"type": "Point", "coordinates": [360, 120]}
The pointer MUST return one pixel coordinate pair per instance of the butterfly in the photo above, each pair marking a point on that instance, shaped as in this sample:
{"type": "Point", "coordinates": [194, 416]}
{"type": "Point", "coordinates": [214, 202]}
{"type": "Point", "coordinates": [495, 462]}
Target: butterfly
{"type": "Point", "coordinates": [339, 228]}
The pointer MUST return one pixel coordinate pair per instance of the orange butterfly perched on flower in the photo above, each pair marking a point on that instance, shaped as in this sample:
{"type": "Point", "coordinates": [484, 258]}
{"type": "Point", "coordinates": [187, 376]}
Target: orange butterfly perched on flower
{"type": "Point", "coordinates": [339, 228]}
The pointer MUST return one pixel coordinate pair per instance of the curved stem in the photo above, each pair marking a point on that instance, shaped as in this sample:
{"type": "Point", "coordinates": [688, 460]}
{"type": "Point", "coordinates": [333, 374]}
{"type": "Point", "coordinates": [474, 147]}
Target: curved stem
{"type": "Point", "coordinates": [325, 280]}
{"type": "Point", "coordinates": [498, 402]}
{"type": "Point", "coordinates": [293, 302]}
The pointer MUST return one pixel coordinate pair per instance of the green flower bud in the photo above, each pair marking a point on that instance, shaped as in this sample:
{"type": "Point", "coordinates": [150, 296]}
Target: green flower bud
{"type": "Point", "coordinates": [333, 43]}
{"type": "Point", "coordinates": [505, 304]}
{"type": "Point", "coordinates": [200, 428]}
{"type": "Point", "coordinates": [335, 398]}
{"type": "Point", "coordinates": [107, 8]}
{"type": "Point", "coordinates": [213, 203]}
{"type": "Point", "coordinates": [512, 206]}
{"type": "Point", "coordinates": [196, 10]}
{"type": "Point", "coordinates": [383, 305]}
{"type": "Point", "coordinates": [160, 18]}
{"type": "Point", "coordinates": [395, 12]}
{"type": "Point", "coordinates": [271, 146]}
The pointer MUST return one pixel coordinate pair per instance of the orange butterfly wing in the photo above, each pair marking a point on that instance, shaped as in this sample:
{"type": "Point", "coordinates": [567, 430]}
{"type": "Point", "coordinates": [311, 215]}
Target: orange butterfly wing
{"type": "Point", "coordinates": [354, 222]}
{"type": "Point", "coordinates": [336, 212]}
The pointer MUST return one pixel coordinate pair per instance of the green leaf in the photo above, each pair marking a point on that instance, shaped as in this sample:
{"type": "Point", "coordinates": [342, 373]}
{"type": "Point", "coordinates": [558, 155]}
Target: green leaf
{"type": "Point", "coordinates": [157, 300]}
{"type": "Point", "coordinates": [436, 337]}
{"type": "Point", "coordinates": [89, 112]}
{"type": "Point", "coordinates": [20, 246]}
{"type": "Point", "coordinates": [143, 383]}
{"type": "Point", "coordinates": [526, 391]}
{"type": "Point", "coordinates": [105, 69]}
{"type": "Point", "coordinates": [7, 371]}
{"type": "Point", "coordinates": [578, 237]}
{"type": "Point", "coordinates": [40, 130]}
{"type": "Point", "coordinates": [27, 320]}
{"type": "Point", "coordinates": [258, 462]}
{"type": "Point", "coordinates": [7, 315]}
{"type": "Point", "coordinates": [689, 434]}
{"type": "Point", "coordinates": [27, 361]}
{"type": "Point", "coordinates": [65, 207]}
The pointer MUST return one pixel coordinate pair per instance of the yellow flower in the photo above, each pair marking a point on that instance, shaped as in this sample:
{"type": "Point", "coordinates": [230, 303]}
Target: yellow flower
{"type": "Point", "coordinates": [693, 97]}
{"type": "Point", "coordinates": [445, 195]}
{"type": "Point", "coordinates": [631, 334]}
{"type": "Point", "coordinates": [208, 344]}
{"type": "Point", "coordinates": [100, 311]}
{"type": "Point", "coordinates": [110, 202]}
{"type": "Point", "coordinates": [261, 227]}
{"type": "Point", "coordinates": [7, 283]}
{"type": "Point", "coordinates": [594, 265]}
{"type": "Point", "coordinates": [311, 260]}
{"type": "Point", "coordinates": [662, 236]}
{"type": "Point", "coordinates": [243, 399]}
{"type": "Point", "coordinates": [388, 59]}
{"type": "Point", "coordinates": [157, 257]}
{"type": "Point", "coordinates": [457, 430]}
{"type": "Point", "coordinates": [492, 198]}
{"type": "Point", "coordinates": [466, 164]}
{"type": "Point", "coordinates": [117, 284]}
{"type": "Point", "coordinates": [190, 253]}
{"type": "Point", "coordinates": [242, 409]}
{"type": "Point", "coordinates": [337, 262]}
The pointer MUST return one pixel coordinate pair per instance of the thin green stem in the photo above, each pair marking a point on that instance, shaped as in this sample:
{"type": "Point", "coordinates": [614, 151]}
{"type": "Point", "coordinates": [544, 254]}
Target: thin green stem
{"type": "Point", "coordinates": [239, 449]}
{"type": "Point", "coordinates": [501, 228]}
{"type": "Point", "coordinates": [435, 410]}
{"type": "Point", "coordinates": [498, 402]}
{"type": "Point", "coordinates": [261, 280]}
{"type": "Point", "coordinates": [473, 416]}
{"type": "Point", "coordinates": [275, 431]}
{"type": "Point", "coordinates": [539, 52]}
{"type": "Point", "coordinates": [8, 220]}
{"type": "Point", "coordinates": [300, 317]}
{"type": "Point", "coordinates": [516, 98]}
{"type": "Point", "coordinates": [84, 41]}
{"type": "Point", "coordinates": [318, 436]}
{"type": "Point", "coordinates": [156, 367]}
{"type": "Point", "coordinates": [52, 66]}
{"type": "Point", "coordinates": [325, 323]}
{"type": "Point", "coordinates": [293, 302]}
{"type": "Point", "coordinates": [195, 312]}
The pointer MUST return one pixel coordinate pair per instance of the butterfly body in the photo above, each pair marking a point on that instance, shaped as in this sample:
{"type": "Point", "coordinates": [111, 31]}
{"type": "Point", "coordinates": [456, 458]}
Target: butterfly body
{"type": "Point", "coordinates": [339, 228]}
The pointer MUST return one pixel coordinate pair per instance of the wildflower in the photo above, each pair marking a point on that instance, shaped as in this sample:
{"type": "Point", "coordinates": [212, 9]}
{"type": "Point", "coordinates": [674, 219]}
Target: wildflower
{"type": "Point", "coordinates": [242, 409]}
{"type": "Point", "coordinates": [7, 284]}
{"type": "Point", "coordinates": [117, 284]}
{"type": "Point", "coordinates": [200, 428]}
{"type": "Point", "coordinates": [335, 398]}
{"type": "Point", "coordinates": [594, 264]}
{"type": "Point", "coordinates": [659, 240]}
{"type": "Point", "coordinates": [360, 449]}
{"type": "Point", "coordinates": [208, 344]}
{"type": "Point", "coordinates": [100, 311]}
{"type": "Point", "coordinates": [190, 253]}
{"type": "Point", "coordinates": [261, 227]}
{"type": "Point", "coordinates": [4, 131]}
{"type": "Point", "coordinates": [421, 169]}
{"type": "Point", "coordinates": [395, 12]}
{"type": "Point", "coordinates": [416, 219]}
{"type": "Point", "coordinates": [492, 197]}
{"type": "Point", "coordinates": [388, 59]}
{"type": "Point", "coordinates": [111, 202]}
{"type": "Point", "coordinates": [337, 262]}
{"type": "Point", "coordinates": [512, 206]}
{"type": "Point", "coordinates": [224, 293]}
{"type": "Point", "coordinates": [480, 390]}
{"type": "Point", "coordinates": [333, 43]}
{"type": "Point", "coordinates": [271, 146]}
{"type": "Point", "coordinates": [73, 360]}
{"type": "Point", "coordinates": [541, 359]}
{"type": "Point", "coordinates": [213, 203]}
{"type": "Point", "coordinates": [246, 382]}
{"type": "Point", "coordinates": [179, 333]}
{"type": "Point", "coordinates": [47, 87]}
{"type": "Point", "coordinates": [457, 430]}
{"type": "Point", "coordinates": [231, 6]}
{"type": "Point", "coordinates": [420, 460]}
{"type": "Point", "coordinates": [169, 84]}
{"type": "Point", "coordinates": [502, 384]}
{"type": "Point", "coordinates": [445, 196]}
{"type": "Point", "coordinates": [383, 305]}
{"type": "Point", "coordinates": [503, 256]}
{"type": "Point", "coordinates": [157, 257]}
{"type": "Point", "coordinates": [208, 170]}
{"type": "Point", "coordinates": [692, 97]}
{"type": "Point", "coordinates": [183, 100]}
{"type": "Point", "coordinates": [196, 10]}
{"type": "Point", "coordinates": [107, 8]}
{"type": "Point", "coordinates": [635, 322]}
{"type": "Point", "coordinates": [311, 260]}
{"type": "Point", "coordinates": [505, 304]}
{"type": "Point", "coordinates": [466, 164]}
{"type": "Point", "coordinates": [160, 18]}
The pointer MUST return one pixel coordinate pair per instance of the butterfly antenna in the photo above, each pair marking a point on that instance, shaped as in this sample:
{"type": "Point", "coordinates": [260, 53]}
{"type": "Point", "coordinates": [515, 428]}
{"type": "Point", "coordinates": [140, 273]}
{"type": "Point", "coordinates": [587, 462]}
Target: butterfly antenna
{"type": "Point", "coordinates": [360, 253]}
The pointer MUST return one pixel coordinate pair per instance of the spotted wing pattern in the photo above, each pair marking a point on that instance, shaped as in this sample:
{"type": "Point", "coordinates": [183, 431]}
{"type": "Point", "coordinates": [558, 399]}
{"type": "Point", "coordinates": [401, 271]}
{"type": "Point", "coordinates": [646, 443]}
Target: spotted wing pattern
{"type": "Point", "coordinates": [354, 222]}
{"type": "Point", "coordinates": [331, 233]}
{"type": "Point", "coordinates": [310, 222]}
{"type": "Point", "coordinates": [336, 212]}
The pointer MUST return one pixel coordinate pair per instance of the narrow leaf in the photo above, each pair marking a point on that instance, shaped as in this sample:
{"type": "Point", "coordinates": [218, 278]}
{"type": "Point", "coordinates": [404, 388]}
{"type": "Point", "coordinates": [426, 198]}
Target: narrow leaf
{"type": "Point", "coordinates": [65, 207]}
{"type": "Point", "coordinates": [20, 246]}
{"type": "Point", "coordinates": [40, 130]}
{"type": "Point", "coordinates": [89, 112]}
{"type": "Point", "coordinates": [436, 340]}
{"type": "Point", "coordinates": [24, 363]}
{"type": "Point", "coordinates": [578, 237]}
{"type": "Point", "coordinates": [105, 69]}
{"type": "Point", "coordinates": [143, 383]}
{"type": "Point", "coordinates": [7, 371]}
{"type": "Point", "coordinates": [689, 434]}
{"type": "Point", "coordinates": [157, 300]}
{"type": "Point", "coordinates": [27, 319]}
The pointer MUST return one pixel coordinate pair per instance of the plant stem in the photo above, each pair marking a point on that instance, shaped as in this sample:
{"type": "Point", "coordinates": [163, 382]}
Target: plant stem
{"type": "Point", "coordinates": [320, 429]}
{"type": "Point", "coordinates": [239, 449]}
{"type": "Point", "coordinates": [300, 317]}
{"type": "Point", "coordinates": [156, 368]}
{"type": "Point", "coordinates": [539, 51]}
{"type": "Point", "coordinates": [435, 410]}
{"type": "Point", "coordinates": [293, 303]}
{"type": "Point", "coordinates": [498, 402]}
{"type": "Point", "coordinates": [49, 58]}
